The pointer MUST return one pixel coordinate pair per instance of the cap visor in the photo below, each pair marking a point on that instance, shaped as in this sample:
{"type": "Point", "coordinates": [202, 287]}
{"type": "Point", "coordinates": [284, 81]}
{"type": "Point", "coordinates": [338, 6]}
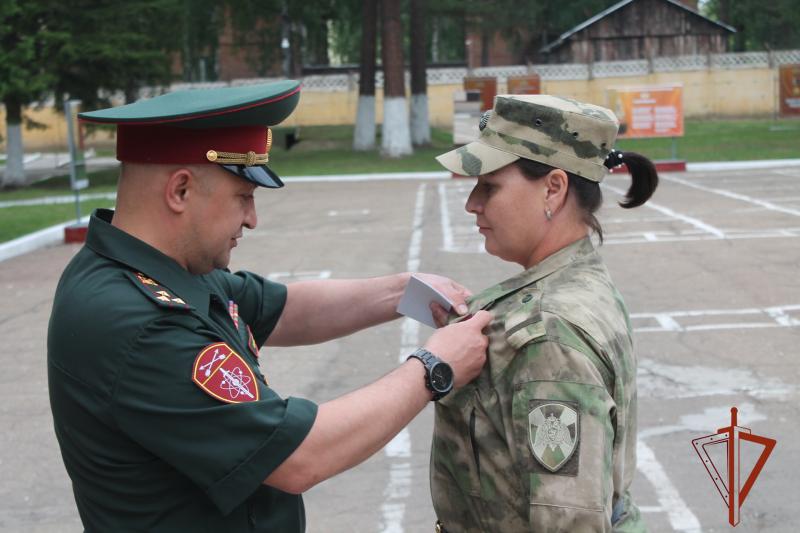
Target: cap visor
{"type": "Point", "coordinates": [261, 175]}
{"type": "Point", "coordinates": [475, 158]}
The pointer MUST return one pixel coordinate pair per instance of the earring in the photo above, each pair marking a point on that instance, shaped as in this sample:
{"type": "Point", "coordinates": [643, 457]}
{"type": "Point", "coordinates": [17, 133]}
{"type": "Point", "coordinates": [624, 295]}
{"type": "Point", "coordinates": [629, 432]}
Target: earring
{"type": "Point", "coordinates": [548, 214]}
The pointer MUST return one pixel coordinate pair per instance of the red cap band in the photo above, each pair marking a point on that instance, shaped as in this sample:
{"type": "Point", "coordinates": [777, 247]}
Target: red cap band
{"type": "Point", "coordinates": [163, 144]}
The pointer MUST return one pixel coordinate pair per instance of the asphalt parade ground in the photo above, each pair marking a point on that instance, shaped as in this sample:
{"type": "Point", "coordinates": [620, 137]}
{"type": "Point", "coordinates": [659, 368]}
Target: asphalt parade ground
{"type": "Point", "coordinates": [709, 270]}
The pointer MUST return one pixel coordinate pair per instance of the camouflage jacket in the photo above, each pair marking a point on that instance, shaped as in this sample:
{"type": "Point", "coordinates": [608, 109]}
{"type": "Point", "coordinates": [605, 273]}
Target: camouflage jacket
{"type": "Point", "coordinates": [545, 438]}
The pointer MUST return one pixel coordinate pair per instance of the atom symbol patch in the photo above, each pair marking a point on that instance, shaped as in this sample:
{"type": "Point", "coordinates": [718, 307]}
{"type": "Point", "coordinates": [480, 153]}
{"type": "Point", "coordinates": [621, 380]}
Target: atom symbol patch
{"type": "Point", "coordinates": [224, 375]}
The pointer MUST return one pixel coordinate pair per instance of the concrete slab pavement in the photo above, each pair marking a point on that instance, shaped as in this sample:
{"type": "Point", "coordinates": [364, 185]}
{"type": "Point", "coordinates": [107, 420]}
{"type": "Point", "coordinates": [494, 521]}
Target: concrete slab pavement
{"type": "Point", "coordinates": [708, 271]}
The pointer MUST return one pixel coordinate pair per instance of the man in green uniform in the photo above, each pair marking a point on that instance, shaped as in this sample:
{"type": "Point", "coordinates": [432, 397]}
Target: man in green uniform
{"type": "Point", "coordinates": [164, 418]}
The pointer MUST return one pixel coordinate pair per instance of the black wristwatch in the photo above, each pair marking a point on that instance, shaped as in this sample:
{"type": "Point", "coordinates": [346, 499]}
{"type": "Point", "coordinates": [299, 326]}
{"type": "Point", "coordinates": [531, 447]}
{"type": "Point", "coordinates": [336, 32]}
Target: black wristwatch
{"type": "Point", "coordinates": [438, 374]}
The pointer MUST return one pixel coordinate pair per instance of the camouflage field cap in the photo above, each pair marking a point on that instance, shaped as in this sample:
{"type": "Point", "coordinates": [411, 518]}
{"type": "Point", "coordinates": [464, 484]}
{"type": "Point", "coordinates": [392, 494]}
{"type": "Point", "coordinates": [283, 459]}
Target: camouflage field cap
{"type": "Point", "coordinates": [556, 131]}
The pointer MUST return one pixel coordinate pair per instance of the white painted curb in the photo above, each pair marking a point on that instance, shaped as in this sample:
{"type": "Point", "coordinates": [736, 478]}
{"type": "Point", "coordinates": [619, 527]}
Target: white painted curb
{"type": "Point", "coordinates": [33, 241]}
{"type": "Point", "coordinates": [741, 165]}
{"type": "Point", "coordinates": [55, 234]}
{"type": "Point", "coordinates": [384, 176]}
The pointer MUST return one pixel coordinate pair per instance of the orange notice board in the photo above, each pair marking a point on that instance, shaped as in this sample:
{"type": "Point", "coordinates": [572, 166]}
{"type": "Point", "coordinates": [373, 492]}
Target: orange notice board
{"type": "Point", "coordinates": [487, 86]}
{"type": "Point", "coordinates": [530, 84]}
{"type": "Point", "coordinates": [790, 90]}
{"type": "Point", "coordinates": [653, 111]}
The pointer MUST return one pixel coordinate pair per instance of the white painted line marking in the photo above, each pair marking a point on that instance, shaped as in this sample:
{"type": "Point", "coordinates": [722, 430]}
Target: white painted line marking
{"type": "Point", "coordinates": [774, 317]}
{"type": "Point", "coordinates": [301, 275]}
{"type": "Point", "coordinates": [694, 235]}
{"type": "Point", "coordinates": [348, 212]}
{"type": "Point", "coordinates": [416, 235]}
{"type": "Point", "coordinates": [409, 338]}
{"type": "Point", "coordinates": [398, 488]}
{"type": "Point", "coordinates": [787, 173]}
{"type": "Point", "coordinates": [667, 322]}
{"type": "Point", "coordinates": [782, 199]}
{"type": "Point", "coordinates": [447, 229]}
{"type": "Point", "coordinates": [678, 513]}
{"type": "Point", "coordinates": [635, 220]}
{"type": "Point", "coordinates": [735, 196]}
{"type": "Point", "coordinates": [651, 509]}
{"type": "Point", "coordinates": [699, 224]}
{"type": "Point", "coordinates": [462, 237]}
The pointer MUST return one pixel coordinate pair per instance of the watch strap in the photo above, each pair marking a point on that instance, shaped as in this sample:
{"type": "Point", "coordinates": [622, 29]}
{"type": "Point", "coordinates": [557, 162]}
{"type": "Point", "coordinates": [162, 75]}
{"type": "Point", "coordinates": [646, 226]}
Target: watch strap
{"type": "Point", "coordinates": [428, 359]}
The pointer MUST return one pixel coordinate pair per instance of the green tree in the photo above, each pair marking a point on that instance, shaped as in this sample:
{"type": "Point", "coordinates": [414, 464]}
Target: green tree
{"type": "Point", "coordinates": [78, 48]}
{"type": "Point", "coordinates": [346, 27]}
{"type": "Point", "coordinates": [364, 132]}
{"type": "Point", "coordinates": [759, 25]}
{"type": "Point", "coordinates": [526, 25]}
{"type": "Point", "coordinates": [418, 42]}
{"type": "Point", "coordinates": [113, 46]}
{"type": "Point", "coordinates": [28, 44]}
{"type": "Point", "coordinates": [396, 137]}
{"type": "Point", "coordinates": [198, 37]}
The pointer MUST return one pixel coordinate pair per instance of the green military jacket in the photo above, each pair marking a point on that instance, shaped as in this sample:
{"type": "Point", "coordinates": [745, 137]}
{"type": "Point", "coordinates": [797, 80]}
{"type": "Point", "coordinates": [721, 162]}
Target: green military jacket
{"type": "Point", "coordinates": [165, 421]}
{"type": "Point", "coordinates": [545, 438]}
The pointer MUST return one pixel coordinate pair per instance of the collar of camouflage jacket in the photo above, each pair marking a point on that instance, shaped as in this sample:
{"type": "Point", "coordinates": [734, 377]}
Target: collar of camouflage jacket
{"type": "Point", "coordinates": [544, 268]}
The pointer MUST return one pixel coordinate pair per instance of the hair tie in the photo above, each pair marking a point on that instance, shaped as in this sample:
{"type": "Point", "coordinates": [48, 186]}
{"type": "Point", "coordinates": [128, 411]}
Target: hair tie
{"type": "Point", "coordinates": [484, 120]}
{"type": "Point", "coordinates": [613, 160]}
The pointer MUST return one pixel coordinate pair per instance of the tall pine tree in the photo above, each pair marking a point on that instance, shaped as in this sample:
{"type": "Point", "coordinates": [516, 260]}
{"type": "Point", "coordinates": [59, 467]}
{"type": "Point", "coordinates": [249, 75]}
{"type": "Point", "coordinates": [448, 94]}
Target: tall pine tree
{"type": "Point", "coordinates": [28, 43]}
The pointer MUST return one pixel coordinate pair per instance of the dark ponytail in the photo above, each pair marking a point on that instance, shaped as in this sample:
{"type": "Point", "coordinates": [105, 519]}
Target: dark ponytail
{"type": "Point", "coordinates": [644, 178]}
{"type": "Point", "coordinates": [588, 194]}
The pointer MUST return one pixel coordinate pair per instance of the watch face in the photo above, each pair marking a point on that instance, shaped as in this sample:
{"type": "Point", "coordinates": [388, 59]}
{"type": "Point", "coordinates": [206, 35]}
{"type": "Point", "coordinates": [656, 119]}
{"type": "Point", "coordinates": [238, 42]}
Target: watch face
{"type": "Point", "coordinates": [441, 377]}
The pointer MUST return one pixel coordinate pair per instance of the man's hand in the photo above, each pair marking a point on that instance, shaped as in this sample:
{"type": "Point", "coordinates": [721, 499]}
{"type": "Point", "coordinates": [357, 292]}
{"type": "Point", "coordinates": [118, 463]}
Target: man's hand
{"type": "Point", "coordinates": [454, 292]}
{"type": "Point", "coordinates": [463, 346]}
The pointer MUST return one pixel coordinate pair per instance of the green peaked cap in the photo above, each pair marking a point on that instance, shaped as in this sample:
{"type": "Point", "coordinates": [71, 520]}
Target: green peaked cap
{"type": "Point", "coordinates": [247, 105]}
{"type": "Point", "coordinates": [228, 126]}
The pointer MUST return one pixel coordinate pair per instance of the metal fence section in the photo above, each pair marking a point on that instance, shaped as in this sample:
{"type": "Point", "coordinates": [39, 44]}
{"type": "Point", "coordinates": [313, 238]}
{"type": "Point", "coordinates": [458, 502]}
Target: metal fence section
{"type": "Point", "coordinates": [615, 69]}
{"type": "Point", "coordinates": [783, 57]}
{"type": "Point", "coordinates": [680, 63]}
{"type": "Point", "coordinates": [348, 81]}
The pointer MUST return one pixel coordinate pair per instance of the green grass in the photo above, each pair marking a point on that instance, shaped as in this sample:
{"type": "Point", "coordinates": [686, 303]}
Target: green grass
{"type": "Point", "coordinates": [725, 140]}
{"type": "Point", "coordinates": [328, 150]}
{"type": "Point", "coordinates": [18, 221]}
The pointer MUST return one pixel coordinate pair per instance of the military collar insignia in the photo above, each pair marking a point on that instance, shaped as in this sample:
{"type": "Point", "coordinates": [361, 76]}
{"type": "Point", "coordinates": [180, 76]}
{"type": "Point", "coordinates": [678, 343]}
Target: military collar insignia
{"type": "Point", "coordinates": [547, 266]}
{"type": "Point", "coordinates": [553, 433]}
{"type": "Point", "coordinates": [157, 292]}
{"type": "Point", "coordinates": [222, 374]}
{"type": "Point", "coordinates": [137, 256]}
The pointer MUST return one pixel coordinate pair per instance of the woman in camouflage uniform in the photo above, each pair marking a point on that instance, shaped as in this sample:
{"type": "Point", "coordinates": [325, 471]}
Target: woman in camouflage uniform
{"type": "Point", "coordinates": [545, 438]}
